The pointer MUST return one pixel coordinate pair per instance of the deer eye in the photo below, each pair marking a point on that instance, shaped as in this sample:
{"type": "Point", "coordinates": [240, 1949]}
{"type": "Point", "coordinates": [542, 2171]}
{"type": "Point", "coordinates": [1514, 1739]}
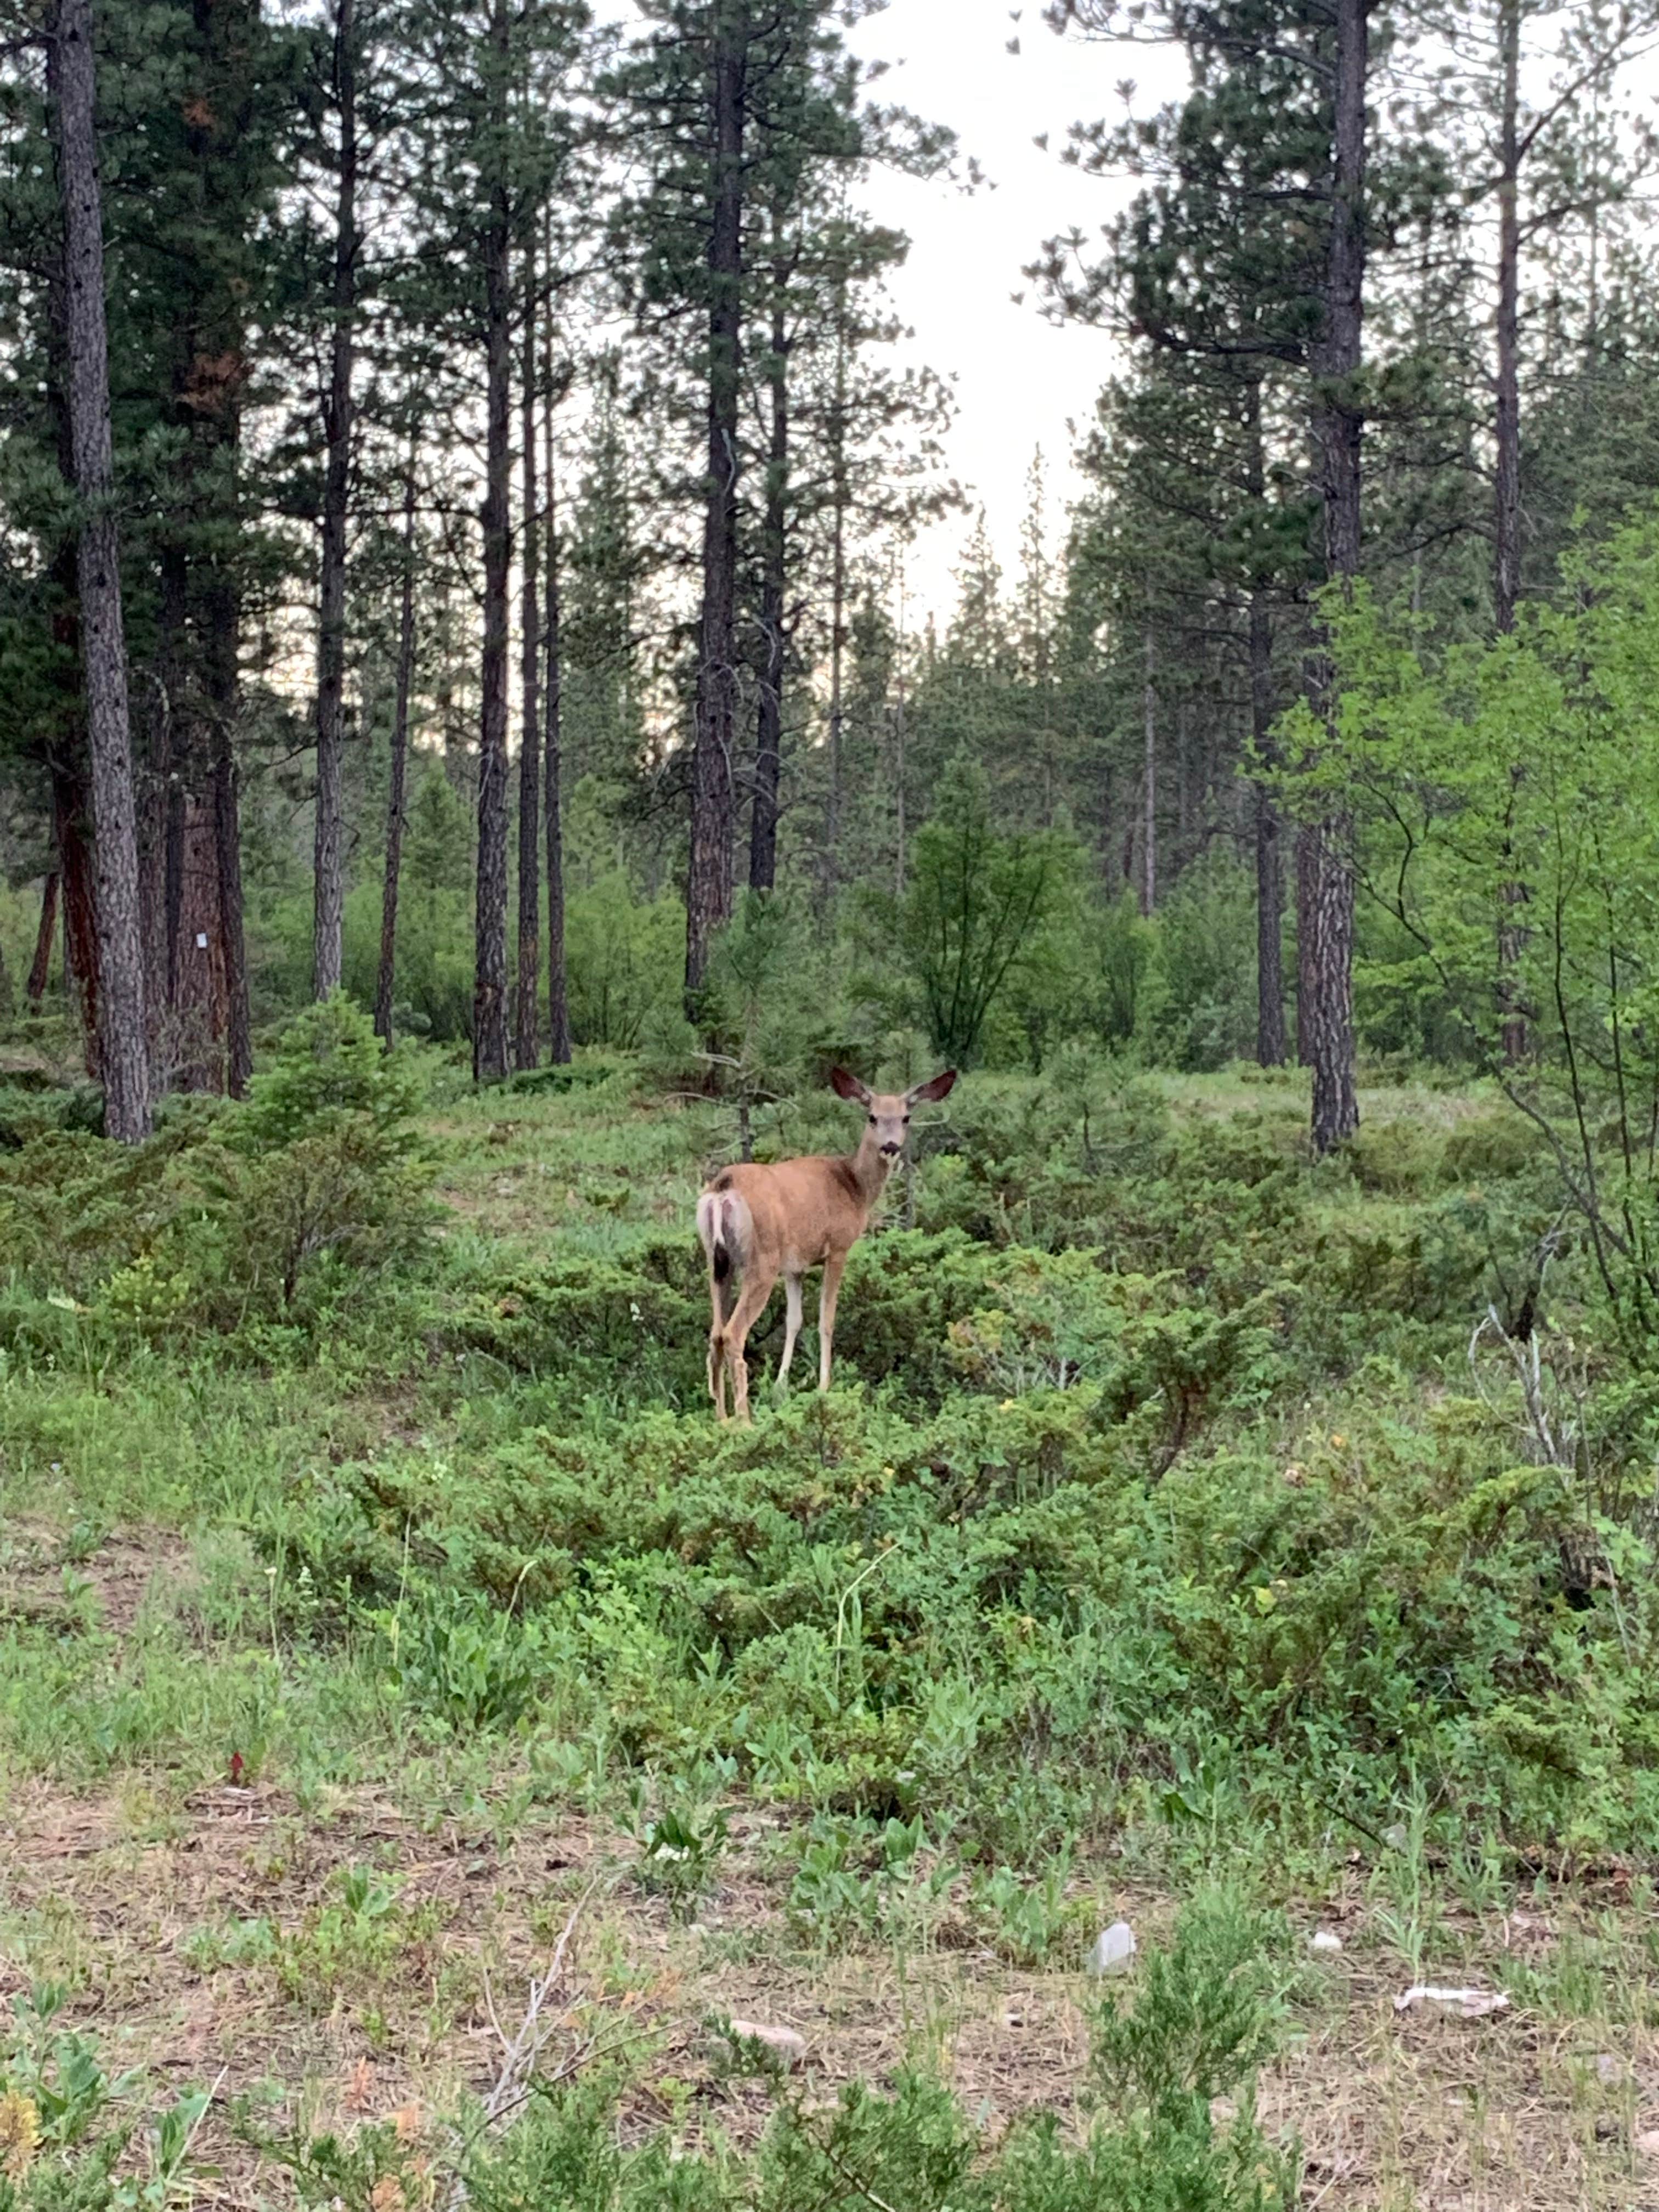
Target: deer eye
{"type": "Point", "coordinates": [907, 1120]}
{"type": "Point", "coordinates": [872, 1120]}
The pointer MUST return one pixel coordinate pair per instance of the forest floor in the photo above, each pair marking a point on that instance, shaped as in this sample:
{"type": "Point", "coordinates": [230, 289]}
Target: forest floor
{"type": "Point", "coordinates": [240, 1874]}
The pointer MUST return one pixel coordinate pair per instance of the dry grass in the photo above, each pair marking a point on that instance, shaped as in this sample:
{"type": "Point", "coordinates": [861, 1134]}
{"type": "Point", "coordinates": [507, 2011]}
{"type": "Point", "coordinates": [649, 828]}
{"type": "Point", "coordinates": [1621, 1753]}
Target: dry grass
{"type": "Point", "coordinates": [117, 1894]}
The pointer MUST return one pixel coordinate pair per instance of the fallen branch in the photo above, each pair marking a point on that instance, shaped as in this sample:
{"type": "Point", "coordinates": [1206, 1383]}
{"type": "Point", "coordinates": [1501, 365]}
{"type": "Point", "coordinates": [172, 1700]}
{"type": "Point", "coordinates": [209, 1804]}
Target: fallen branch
{"type": "Point", "coordinates": [523, 2052]}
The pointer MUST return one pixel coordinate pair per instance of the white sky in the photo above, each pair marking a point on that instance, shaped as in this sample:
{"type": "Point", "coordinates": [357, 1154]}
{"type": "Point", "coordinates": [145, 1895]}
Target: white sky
{"type": "Point", "coordinates": [1020, 382]}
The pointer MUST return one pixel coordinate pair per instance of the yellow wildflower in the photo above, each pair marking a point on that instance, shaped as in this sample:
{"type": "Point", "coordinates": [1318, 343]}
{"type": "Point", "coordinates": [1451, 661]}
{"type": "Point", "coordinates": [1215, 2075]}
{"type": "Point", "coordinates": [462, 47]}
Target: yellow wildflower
{"type": "Point", "coordinates": [19, 2134]}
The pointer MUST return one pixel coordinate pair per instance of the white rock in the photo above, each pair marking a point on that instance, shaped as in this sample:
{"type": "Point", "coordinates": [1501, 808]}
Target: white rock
{"type": "Point", "coordinates": [1113, 1949]}
{"type": "Point", "coordinates": [1324, 1939]}
{"type": "Point", "coordinates": [784, 2043]}
{"type": "Point", "coordinates": [1397, 1836]}
{"type": "Point", "coordinates": [1609, 2069]}
{"type": "Point", "coordinates": [1471, 2004]}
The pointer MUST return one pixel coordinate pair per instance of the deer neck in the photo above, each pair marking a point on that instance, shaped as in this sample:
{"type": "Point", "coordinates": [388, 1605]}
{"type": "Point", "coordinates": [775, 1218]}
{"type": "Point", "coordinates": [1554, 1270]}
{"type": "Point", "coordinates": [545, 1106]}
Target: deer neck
{"type": "Point", "coordinates": [870, 1168]}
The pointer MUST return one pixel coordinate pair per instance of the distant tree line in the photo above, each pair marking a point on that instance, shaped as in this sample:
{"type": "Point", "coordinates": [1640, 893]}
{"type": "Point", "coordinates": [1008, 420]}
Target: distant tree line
{"type": "Point", "coordinates": [458, 467]}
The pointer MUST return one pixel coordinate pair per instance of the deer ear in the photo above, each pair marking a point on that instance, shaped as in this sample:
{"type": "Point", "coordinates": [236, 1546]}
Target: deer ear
{"type": "Point", "coordinates": [936, 1089]}
{"type": "Point", "coordinates": [847, 1086]}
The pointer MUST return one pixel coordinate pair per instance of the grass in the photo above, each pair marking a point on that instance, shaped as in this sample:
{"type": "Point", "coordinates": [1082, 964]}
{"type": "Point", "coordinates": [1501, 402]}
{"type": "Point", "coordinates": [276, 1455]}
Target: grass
{"type": "Point", "coordinates": [346, 1650]}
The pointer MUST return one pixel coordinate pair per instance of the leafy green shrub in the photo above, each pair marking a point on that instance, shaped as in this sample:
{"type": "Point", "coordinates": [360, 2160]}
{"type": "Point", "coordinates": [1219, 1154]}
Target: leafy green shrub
{"type": "Point", "coordinates": [68, 2129]}
{"type": "Point", "coordinates": [624, 957]}
{"type": "Point", "coordinates": [1197, 1008]}
{"type": "Point", "coordinates": [1029, 1921]}
{"type": "Point", "coordinates": [1121, 947]}
{"type": "Point", "coordinates": [455, 1656]}
{"type": "Point", "coordinates": [434, 974]}
{"type": "Point", "coordinates": [976, 909]}
{"type": "Point", "coordinates": [678, 1856]}
{"type": "Point", "coordinates": [230, 1211]}
{"type": "Point", "coordinates": [1398, 1156]}
{"type": "Point", "coordinates": [324, 1159]}
{"type": "Point", "coordinates": [329, 1073]}
{"type": "Point", "coordinates": [1205, 2012]}
{"type": "Point", "coordinates": [1491, 1146]}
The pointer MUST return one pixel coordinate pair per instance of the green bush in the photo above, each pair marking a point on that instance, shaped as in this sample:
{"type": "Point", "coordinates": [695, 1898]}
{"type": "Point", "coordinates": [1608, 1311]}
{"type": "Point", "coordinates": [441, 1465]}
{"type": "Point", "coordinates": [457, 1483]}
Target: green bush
{"type": "Point", "coordinates": [624, 961]}
{"type": "Point", "coordinates": [1197, 1007]}
{"type": "Point", "coordinates": [1204, 2012]}
{"type": "Point", "coordinates": [230, 1211]}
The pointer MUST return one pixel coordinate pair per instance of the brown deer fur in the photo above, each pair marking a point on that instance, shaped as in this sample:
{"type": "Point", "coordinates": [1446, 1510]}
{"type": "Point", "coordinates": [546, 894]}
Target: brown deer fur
{"type": "Point", "coordinates": [758, 1222]}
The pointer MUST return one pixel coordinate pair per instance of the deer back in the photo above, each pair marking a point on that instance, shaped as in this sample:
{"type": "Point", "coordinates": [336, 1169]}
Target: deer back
{"type": "Point", "coordinates": [802, 1210]}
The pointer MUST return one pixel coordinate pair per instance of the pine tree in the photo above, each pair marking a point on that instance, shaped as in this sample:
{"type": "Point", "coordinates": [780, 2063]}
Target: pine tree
{"type": "Point", "coordinates": [330, 883]}
{"type": "Point", "coordinates": [122, 1055]}
{"type": "Point", "coordinates": [741, 105]}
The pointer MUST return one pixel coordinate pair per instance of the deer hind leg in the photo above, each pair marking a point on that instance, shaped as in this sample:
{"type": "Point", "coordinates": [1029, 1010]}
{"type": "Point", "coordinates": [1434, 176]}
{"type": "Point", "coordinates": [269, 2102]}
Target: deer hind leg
{"type": "Point", "coordinates": [833, 1267]}
{"type": "Point", "coordinates": [722, 1296]}
{"type": "Point", "coordinates": [791, 1329]}
{"type": "Point", "coordinates": [756, 1292]}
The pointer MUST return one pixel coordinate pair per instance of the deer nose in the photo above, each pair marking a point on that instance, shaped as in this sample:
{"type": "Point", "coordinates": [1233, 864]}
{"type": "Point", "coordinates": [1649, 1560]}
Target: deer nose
{"type": "Point", "coordinates": [892, 1151]}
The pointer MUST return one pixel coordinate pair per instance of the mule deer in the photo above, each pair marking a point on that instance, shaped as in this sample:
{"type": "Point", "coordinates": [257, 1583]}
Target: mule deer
{"type": "Point", "coordinates": [758, 1222]}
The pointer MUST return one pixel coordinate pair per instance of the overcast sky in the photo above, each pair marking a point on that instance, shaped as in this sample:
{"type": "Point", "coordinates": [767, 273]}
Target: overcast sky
{"type": "Point", "coordinates": [1020, 382]}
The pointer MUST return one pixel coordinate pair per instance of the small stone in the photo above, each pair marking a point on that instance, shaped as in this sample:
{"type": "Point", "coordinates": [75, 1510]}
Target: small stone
{"type": "Point", "coordinates": [1471, 2004]}
{"type": "Point", "coordinates": [1324, 1939]}
{"type": "Point", "coordinates": [1610, 2069]}
{"type": "Point", "coordinates": [784, 2043]}
{"type": "Point", "coordinates": [1113, 1949]}
{"type": "Point", "coordinates": [1397, 1836]}
{"type": "Point", "coordinates": [1648, 2142]}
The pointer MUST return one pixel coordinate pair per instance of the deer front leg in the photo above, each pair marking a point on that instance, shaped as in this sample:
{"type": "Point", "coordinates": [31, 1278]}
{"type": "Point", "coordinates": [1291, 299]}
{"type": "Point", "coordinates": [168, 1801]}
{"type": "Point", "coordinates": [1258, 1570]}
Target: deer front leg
{"type": "Point", "coordinates": [833, 1267]}
{"type": "Point", "coordinates": [755, 1292]}
{"type": "Point", "coordinates": [791, 1329]}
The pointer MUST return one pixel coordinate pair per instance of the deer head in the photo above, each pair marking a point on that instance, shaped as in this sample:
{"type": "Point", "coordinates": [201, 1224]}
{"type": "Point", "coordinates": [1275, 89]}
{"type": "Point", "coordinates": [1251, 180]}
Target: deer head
{"type": "Point", "coordinates": [887, 1122]}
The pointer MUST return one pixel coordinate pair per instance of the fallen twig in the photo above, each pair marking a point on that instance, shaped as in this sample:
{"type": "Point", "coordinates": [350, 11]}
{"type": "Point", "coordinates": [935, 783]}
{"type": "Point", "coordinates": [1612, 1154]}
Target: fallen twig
{"type": "Point", "coordinates": [524, 2050]}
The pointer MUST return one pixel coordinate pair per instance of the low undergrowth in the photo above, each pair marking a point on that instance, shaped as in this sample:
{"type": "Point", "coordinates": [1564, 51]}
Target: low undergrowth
{"type": "Point", "coordinates": [1179, 1503]}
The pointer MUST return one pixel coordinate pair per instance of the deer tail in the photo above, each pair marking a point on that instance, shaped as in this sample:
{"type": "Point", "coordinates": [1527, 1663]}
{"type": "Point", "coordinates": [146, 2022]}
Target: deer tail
{"type": "Point", "coordinates": [722, 1229]}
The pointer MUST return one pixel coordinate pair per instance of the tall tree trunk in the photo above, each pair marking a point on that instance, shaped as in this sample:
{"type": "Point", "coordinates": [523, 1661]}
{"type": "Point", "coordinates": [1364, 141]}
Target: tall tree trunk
{"type": "Point", "coordinates": [122, 1044]}
{"type": "Point", "coordinates": [1269, 867]}
{"type": "Point", "coordinates": [212, 967]}
{"type": "Point", "coordinates": [41, 967]}
{"type": "Point", "coordinates": [206, 1037]}
{"type": "Point", "coordinates": [72, 832]}
{"type": "Point", "coordinates": [526, 1049]}
{"type": "Point", "coordinates": [1506, 500]}
{"type": "Point", "coordinates": [227, 856]}
{"type": "Point", "coordinates": [1325, 855]}
{"type": "Point", "coordinates": [558, 1000]}
{"type": "Point", "coordinates": [336, 423]}
{"type": "Point", "coordinates": [900, 736]}
{"type": "Point", "coordinates": [840, 500]}
{"type": "Point", "coordinates": [164, 860]}
{"type": "Point", "coordinates": [1269, 870]}
{"type": "Point", "coordinates": [154, 779]}
{"type": "Point", "coordinates": [708, 882]}
{"type": "Point", "coordinates": [1149, 782]}
{"type": "Point", "coordinates": [774, 549]}
{"type": "Point", "coordinates": [489, 984]}
{"type": "Point", "coordinates": [386, 979]}
{"type": "Point", "coordinates": [837, 696]}
{"type": "Point", "coordinates": [201, 995]}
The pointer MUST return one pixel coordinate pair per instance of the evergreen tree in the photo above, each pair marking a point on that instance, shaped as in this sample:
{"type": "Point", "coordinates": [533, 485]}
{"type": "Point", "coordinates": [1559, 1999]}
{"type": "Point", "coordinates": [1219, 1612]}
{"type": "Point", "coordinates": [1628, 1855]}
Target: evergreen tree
{"type": "Point", "coordinates": [122, 1055]}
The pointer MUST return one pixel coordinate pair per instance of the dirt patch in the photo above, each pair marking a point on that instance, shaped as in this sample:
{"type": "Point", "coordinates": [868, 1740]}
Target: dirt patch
{"type": "Point", "coordinates": [195, 1939]}
{"type": "Point", "coordinates": [45, 1577]}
